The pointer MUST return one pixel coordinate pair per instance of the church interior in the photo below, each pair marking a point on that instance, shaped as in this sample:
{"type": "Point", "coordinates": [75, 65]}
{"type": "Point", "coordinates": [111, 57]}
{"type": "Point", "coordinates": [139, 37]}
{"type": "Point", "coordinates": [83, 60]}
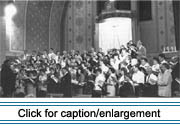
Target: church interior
{"type": "Point", "coordinates": [84, 24]}
{"type": "Point", "coordinates": [66, 25]}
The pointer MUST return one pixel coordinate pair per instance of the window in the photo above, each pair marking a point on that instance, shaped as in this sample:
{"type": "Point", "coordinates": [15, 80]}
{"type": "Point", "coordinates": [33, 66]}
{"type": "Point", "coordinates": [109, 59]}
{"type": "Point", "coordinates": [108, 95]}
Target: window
{"type": "Point", "coordinates": [145, 10]}
{"type": "Point", "coordinates": [123, 5]}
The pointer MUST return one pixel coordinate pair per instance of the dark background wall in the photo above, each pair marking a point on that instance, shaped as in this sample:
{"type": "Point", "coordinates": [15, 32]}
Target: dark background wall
{"type": "Point", "coordinates": [158, 31]}
{"type": "Point", "coordinates": [176, 9]}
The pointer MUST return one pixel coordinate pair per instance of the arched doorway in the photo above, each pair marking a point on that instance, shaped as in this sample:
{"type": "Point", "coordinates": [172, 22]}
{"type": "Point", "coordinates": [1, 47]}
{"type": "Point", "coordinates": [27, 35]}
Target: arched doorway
{"type": "Point", "coordinates": [115, 32]}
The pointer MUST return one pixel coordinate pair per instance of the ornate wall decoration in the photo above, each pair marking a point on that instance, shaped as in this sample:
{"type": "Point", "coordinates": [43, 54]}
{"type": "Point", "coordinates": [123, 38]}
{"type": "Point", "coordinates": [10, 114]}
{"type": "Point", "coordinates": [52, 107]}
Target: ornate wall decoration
{"type": "Point", "coordinates": [37, 25]}
{"type": "Point", "coordinates": [165, 23]}
{"type": "Point", "coordinates": [54, 25]}
{"type": "Point", "coordinates": [69, 32]}
{"type": "Point", "coordinates": [79, 39]}
{"type": "Point", "coordinates": [79, 21]}
{"type": "Point", "coordinates": [161, 24]}
{"type": "Point", "coordinates": [79, 4]}
{"type": "Point", "coordinates": [170, 24]}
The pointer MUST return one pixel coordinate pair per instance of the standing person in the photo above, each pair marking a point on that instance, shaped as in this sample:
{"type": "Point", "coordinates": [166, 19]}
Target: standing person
{"type": "Point", "coordinates": [151, 83]}
{"type": "Point", "coordinates": [51, 54]}
{"type": "Point", "coordinates": [164, 81]}
{"type": "Point", "coordinates": [138, 79]}
{"type": "Point", "coordinates": [45, 54]}
{"type": "Point", "coordinates": [98, 85]}
{"type": "Point", "coordinates": [103, 67]}
{"type": "Point", "coordinates": [42, 83]}
{"type": "Point", "coordinates": [30, 83]}
{"type": "Point", "coordinates": [8, 78]}
{"type": "Point", "coordinates": [162, 58]}
{"type": "Point", "coordinates": [175, 74]}
{"type": "Point", "coordinates": [33, 57]}
{"type": "Point", "coordinates": [141, 49]}
{"type": "Point", "coordinates": [20, 87]}
{"type": "Point", "coordinates": [81, 80]}
{"type": "Point", "coordinates": [92, 51]}
{"type": "Point", "coordinates": [144, 63]}
{"type": "Point", "coordinates": [123, 55]}
{"type": "Point", "coordinates": [111, 82]}
{"type": "Point", "coordinates": [1, 91]}
{"type": "Point", "coordinates": [66, 83]}
{"type": "Point", "coordinates": [156, 66]}
{"type": "Point", "coordinates": [115, 62]}
{"type": "Point", "coordinates": [125, 87]}
{"type": "Point", "coordinates": [25, 55]}
{"type": "Point", "coordinates": [52, 81]}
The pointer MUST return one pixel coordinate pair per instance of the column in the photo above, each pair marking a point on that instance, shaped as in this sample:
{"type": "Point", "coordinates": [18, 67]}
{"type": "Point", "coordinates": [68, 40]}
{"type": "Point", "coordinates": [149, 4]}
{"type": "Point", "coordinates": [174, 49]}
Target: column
{"type": "Point", "coordinates": [2, 35]}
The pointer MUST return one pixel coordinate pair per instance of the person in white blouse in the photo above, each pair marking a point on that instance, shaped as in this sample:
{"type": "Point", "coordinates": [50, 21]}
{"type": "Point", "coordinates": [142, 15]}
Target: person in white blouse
{"type": "Point", "coordinates": [103, 67]}
{"type": "Point", "coordinates": [111, 82]}
{"type": "Point", "coordinates": [98, 84]}
{"type": "Point", "coordinates": [151, 83]}
{"type": "Point", "coordinates": [138, 78]}
{"type": "Point", "coordinates": [144, 63]}
{"type": "Point", "coordinates": [51, 54]}
{"type": "Point", "coordinates": [164, 81]}
{"type": "Point", "coordinates": [156, 66]}
{"type": "Point", "coordinates": [115, 62]}
{"type": "Point", "coordinates": [123, 56]}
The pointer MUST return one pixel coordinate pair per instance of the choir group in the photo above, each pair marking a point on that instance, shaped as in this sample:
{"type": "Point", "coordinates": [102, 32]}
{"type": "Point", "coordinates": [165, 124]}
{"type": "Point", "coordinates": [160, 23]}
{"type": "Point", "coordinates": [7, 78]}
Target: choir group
{"type": "Point", "coordinates": [123, 72]}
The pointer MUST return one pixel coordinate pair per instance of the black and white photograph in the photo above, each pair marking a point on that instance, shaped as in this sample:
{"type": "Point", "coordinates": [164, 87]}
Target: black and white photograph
{"type": "Point", "coordinates": [89, 49]}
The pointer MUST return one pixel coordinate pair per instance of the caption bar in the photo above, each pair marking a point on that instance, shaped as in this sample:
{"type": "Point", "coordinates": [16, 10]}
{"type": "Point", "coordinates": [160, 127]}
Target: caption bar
{"type": "Point", "coordinates": [89, 112]}
{"type": "Point", "coordinates": [81, 113]}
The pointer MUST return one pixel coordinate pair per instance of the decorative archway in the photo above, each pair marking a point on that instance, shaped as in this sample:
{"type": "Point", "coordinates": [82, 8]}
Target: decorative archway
{"type": "Point", "coordinates": [62, 26]}
{"type": "Point", "coordinates": [56, 25]}
{"type": "Point", "coordinates": [117, 25]}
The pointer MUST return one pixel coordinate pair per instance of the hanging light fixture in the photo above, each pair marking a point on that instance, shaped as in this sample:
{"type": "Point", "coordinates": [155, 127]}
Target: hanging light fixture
{"type": "Point", "coordinates": [10, 10]}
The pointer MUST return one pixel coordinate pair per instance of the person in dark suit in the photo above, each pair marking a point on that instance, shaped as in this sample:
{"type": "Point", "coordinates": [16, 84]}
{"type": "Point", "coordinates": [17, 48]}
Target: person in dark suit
{"type": "Point", "coordinates": [52, 81]}
{"type": "Point", "coordinates": [175, 74]}
{"type": "Point", "coordinates": [66, 83]}
{"type": "Point", "coordinates": [8, 78]}
{"type": "Point", "coordinates": [141, 49]}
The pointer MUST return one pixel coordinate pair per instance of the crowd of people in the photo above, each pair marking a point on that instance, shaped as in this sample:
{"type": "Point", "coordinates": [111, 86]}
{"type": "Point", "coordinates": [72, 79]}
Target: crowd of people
{"type": "Point", "coordinates": [123, 72]}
